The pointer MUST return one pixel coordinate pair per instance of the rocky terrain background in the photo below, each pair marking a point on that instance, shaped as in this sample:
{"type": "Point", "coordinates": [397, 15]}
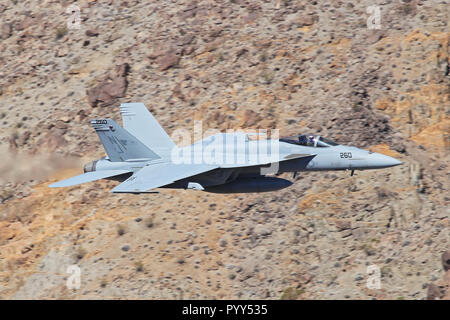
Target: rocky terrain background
{"type": "Point", "coordinates": [300, 66]}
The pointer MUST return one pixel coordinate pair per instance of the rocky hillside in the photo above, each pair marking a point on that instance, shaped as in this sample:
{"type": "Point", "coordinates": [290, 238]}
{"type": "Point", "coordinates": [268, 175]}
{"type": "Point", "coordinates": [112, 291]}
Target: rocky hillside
{"type": "Point", "coordinates": [299, 66]}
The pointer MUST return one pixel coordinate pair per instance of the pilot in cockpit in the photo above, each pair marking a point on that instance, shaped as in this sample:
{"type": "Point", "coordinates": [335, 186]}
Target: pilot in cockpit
{"type": "Point", "coordinates": [310, 140]}
{"type": "Point", "coordinates": [302, 140]}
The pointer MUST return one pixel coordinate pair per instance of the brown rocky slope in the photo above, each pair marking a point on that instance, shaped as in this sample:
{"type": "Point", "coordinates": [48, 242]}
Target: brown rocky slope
{"type": "Point", "coordinates": [300, 66]}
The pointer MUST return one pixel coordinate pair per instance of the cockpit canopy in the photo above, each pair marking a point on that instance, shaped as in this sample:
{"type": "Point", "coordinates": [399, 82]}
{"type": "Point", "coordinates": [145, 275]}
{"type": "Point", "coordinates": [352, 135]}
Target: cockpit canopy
{"type": "Point", "coordinates": [309, 141]}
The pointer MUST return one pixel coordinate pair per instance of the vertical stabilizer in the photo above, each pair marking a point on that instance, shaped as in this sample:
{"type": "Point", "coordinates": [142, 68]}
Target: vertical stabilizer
{"type": "Point", "coordinates": [119, 144]}
{"type": "Point", "coordinates": [140, 123]}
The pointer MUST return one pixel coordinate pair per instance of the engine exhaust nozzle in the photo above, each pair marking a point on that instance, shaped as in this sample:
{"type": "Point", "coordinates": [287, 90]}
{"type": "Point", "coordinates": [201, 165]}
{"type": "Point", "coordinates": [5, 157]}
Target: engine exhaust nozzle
{"type": "Point", "coordinates": [90, 166]}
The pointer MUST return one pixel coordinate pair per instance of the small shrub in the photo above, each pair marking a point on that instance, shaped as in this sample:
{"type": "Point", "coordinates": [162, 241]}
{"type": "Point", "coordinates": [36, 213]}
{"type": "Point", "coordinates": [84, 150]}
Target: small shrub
{"type": "Point", "coordinates": [149, 222]}
{"type": "Point", "coordinates": [267, 77]}
{"type": "Point", "coordinates": [291, 294]}
{"type": "Point", "coordinates": [386, 271]}
{"type": "Point", "coordinates": [263, 57]}
{"type": "Point", "coordinates": [61, 32]}
{"type": "Point", "coordinates": [80, 254]}
{"type": "Point", "coordinates": [139, 266]}
{"type": "Point", "coordinates": [120, 230]}
{"type": "Point", "coordinates": [382, 193]}
{"type": "Point", "coordinates": [368, 249]}
{"type": "Point", "coordinates": [6, 194]}
{"type": "Point", "coordinates": [406, 8]}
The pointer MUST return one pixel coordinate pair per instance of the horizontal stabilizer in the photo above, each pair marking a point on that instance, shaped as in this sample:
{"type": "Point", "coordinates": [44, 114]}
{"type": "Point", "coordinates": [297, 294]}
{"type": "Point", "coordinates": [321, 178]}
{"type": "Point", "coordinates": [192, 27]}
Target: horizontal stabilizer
{"type": "Point", "coordinates": [88, 177]}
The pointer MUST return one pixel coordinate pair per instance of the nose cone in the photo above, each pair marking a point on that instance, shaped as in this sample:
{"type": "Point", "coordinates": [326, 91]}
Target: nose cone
{"type": "Point", "coordinates": [378, 160]}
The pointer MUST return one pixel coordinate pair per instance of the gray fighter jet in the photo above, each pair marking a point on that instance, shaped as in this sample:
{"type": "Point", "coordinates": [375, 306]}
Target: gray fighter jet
{"type": "Point", "coordinates": [143, 157]}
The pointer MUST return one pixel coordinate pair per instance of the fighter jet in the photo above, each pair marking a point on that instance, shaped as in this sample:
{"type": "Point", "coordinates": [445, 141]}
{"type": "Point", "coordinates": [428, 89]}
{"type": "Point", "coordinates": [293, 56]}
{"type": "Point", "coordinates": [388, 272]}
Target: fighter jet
{"type": "Point", "coordinates": [142, 156]}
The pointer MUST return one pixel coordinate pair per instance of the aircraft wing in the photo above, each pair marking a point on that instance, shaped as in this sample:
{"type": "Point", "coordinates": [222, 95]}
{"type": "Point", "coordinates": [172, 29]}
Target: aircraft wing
{"type": "Point", "coordinates": [158, 175]}
{"type": "Point", "coordinates": [88, 177]}
{"type": "Point", "coordinates": [161, 174]}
